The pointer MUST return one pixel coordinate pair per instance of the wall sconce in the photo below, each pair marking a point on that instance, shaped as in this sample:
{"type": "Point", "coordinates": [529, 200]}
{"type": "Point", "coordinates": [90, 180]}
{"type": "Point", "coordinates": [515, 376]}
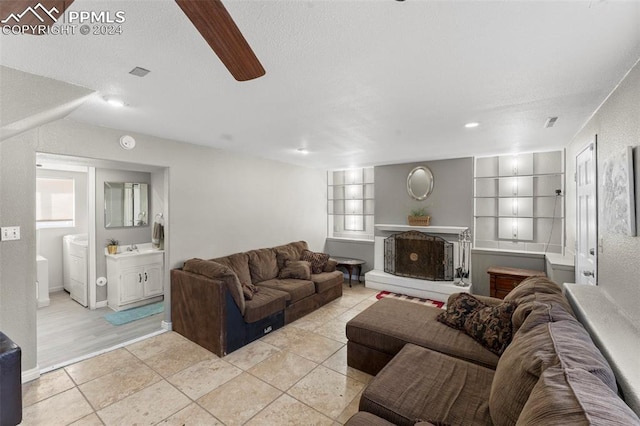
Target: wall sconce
{"type": "Point", "coordinates": [514, 228]}
{"type": "Point", "coordinates": [514, 207]}
{"type": "Point", "coordinates": [514, 186]}
{"type": "Point", "coordinates": [514, 165]}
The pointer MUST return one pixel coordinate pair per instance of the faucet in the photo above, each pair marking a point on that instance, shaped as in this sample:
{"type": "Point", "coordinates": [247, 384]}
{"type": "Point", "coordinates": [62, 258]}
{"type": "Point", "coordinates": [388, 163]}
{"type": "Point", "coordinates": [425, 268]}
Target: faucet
{"type": "Point", "coordinates": [132, 247]}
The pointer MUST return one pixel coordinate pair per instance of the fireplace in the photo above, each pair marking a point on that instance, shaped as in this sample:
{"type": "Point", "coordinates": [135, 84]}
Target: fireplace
{"type": "Point", "coordinates": [415, 254]}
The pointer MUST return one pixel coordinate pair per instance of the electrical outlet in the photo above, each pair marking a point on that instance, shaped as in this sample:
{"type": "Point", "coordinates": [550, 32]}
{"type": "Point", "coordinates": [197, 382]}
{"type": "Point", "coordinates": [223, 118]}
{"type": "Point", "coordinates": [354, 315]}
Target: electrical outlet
{"type": "Point", "coordinates": [10, 233]}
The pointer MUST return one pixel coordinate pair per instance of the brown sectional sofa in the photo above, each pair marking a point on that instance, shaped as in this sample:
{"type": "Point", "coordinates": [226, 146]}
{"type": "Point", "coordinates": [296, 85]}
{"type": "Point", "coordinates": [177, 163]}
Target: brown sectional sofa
{"type": "Point", "coordinates": [426, 372]}
{"type": "Point", "coordinates": [209, 306]}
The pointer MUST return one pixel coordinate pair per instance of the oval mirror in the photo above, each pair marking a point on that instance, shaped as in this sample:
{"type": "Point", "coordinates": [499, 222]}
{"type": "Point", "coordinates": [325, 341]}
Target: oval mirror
{"type": "Point", "coordinates": [420, 183]}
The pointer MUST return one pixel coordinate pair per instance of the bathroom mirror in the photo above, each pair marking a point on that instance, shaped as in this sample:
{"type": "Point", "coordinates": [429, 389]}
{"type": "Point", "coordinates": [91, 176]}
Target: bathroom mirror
{"type": "Point", "coordinates": [420, 183]}
{"type": "Point", "coordinates": [125, 204]}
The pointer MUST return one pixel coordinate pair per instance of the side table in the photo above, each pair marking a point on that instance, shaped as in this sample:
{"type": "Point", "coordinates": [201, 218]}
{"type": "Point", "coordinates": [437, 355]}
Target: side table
{"type": "Point", "coordinates": [503, 279]}
{"type": "Point", "coordinates": [349, 264]}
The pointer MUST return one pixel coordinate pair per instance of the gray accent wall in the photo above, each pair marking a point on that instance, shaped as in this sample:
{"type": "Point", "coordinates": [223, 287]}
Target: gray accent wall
{"type": "Point", "coordinates": [617, 125]}
{"type": "Point", "coordinates": [450, 203]}
{"type": "Point", "coordinates": [219, 203]}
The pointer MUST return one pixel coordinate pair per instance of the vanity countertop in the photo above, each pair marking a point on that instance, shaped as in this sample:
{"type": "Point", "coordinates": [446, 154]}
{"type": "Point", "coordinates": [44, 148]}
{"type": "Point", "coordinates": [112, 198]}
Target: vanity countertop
{"type": "Point", "coordinates": [143, 249]}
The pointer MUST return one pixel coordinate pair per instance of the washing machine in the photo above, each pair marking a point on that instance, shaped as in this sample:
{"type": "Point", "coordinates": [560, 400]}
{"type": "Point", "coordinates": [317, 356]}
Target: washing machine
{"type": "Point", "coordinates": [74, 269]}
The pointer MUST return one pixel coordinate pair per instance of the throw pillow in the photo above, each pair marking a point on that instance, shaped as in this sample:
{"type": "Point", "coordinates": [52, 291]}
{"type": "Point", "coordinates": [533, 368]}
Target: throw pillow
{"type": "Point", "coordinates": [248, 290]}
{"type": "Point", "coordinates": [491, 326]}
{"type": "Point", "coordinates": [317, 260]}
{"type": "Point", "coordinates": [296, 269]}
{"type": "Point", "coordinates": [459, 307]}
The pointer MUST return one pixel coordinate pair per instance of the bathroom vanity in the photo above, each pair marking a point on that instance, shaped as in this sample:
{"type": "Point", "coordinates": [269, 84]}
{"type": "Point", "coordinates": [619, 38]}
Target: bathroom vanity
{"type": "Point", "coordinates": [135, 277]}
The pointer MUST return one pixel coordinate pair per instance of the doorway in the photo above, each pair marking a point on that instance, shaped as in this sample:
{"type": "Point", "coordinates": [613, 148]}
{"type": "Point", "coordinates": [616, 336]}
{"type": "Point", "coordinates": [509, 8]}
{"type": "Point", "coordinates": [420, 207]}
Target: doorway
{"type": "Point", "coordinates": [587, 216]}
{"type": "Point", "coordinates": [72, 328]}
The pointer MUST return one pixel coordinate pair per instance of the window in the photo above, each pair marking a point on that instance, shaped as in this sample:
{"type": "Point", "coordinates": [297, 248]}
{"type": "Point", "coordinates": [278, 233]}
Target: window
{"type": "Point", "coordinates": [351, 202]}
{"type": "Point", "coordinates": [54, 202]}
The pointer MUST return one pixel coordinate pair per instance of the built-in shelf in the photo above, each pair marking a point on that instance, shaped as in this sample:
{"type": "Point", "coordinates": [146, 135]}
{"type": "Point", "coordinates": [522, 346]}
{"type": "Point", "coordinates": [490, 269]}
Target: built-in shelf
{"type": "Point", "coordinates": [518, 200]}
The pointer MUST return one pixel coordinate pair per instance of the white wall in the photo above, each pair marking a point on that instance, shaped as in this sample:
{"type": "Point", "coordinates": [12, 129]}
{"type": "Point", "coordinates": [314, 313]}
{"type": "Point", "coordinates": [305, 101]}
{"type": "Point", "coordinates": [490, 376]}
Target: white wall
{"type": "Point", "coordinates": [617, 124]}
{"type": "Point", "coordinates": [220, 203]}
{"type": "Point", "coordinates": [49, 240]}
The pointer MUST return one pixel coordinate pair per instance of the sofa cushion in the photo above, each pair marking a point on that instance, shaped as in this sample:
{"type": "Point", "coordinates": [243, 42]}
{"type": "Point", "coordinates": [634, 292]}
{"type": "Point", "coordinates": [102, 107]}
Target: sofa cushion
{"type": "Point", "coordinates": [296, 289]}
{"type": "Point", "coordinates": [542, 313]}
{"type": "Point", "coordinates": [263, 265]}
{"type": "Point", "coordinates": [330, 266]}
{"type": "Point", "coordinates": [526, 304]}
{"type": "Point", "coordinates": [362, 418]}
{"type": "Point", "coordinates": [297, 269]}
{"type": "Point", "coordinates": [534, 350]}
{"type": "Point", "coordinates": [291, 251]}
{"type": "Point", "coordinates": [327, 280]}
{"type": "Point", "coordinates": [389, 324]}
{"type": "Point", "coordinates": [239, 263]}
{"type": "Point", "coordinates": [317, 260]}
{"type": "Point", "coordinates": [265, 302]}
{"type": "Point", "coordinates": [491, 326]}
{"type": "Point", "coordinates": [419, 384]}
{"type": "Point", "coordinates": [215, 270]}
{"type": "Point", "coordinates": [533, 285]}
{"type": "Point", "coordinates": [574, 397]}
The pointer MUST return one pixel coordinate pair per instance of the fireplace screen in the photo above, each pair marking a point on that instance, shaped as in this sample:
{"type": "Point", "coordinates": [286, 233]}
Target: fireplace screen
{"type": "Point", "coordinates": [417, 255]}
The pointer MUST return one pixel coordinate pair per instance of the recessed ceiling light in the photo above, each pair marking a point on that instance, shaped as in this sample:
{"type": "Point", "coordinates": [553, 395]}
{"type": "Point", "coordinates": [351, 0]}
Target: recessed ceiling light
{"type": "Point", "coordinates": [303, 150]}
{"type": "Point", "coordinates": [472, 125]}
{"type": "Point", "coordinates": [115, 102]}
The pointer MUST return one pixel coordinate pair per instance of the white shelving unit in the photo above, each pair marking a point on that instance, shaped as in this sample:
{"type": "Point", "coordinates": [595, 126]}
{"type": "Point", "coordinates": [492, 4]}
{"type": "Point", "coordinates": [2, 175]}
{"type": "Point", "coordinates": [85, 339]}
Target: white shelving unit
{"type": "Point", "coordinates": [351, 203]}
{"type": "Point", "coordinates": [516, 202]}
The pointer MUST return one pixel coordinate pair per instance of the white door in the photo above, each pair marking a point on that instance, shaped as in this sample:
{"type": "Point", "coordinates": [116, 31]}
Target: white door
{"type": "Point", "coordinates": [586, 216]}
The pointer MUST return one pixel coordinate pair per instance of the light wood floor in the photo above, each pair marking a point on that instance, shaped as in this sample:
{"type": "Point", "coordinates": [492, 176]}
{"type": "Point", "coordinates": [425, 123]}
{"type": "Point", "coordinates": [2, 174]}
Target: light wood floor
{"type": "Point", "coordinates": [66, 330]}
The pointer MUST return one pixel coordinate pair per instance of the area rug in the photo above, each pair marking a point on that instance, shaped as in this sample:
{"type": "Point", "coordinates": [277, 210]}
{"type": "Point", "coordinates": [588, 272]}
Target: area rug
{"type": "Point", "coordinates": [412, 299]}
{"type": "Point", "coordinates": [130, 315]}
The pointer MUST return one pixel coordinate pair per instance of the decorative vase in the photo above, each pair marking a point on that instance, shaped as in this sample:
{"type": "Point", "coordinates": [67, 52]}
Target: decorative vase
{"type": "Point", "coordinates": [112, 249]}
{"type": "Point", "coordinates": [419, 220]}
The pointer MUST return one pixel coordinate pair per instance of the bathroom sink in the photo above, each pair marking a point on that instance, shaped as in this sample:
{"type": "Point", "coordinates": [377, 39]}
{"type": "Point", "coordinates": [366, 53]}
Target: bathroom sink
{"type": "Point", "coordinates": [137, 252]}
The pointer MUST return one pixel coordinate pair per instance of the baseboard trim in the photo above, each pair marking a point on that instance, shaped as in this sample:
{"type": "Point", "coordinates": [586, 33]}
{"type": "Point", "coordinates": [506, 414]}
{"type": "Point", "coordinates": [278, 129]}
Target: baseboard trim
{"type": "Point", "coordinates": [55, 289]}
{"type": "Point", "coordinates": [30, 375]}
{"type": "Point", "coordinates": [101, 304]}
{"type": "Point", "coordinates": [167, 325]}
{"type": "Point", "coordinates": [44, 302]}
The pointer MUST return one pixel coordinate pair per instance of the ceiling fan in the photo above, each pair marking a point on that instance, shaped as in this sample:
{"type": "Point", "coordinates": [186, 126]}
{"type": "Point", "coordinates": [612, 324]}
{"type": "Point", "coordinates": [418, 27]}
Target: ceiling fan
{"type": "Point", "coordinates": [216, 26]}
{"type": "Point", "coordinates": [210, 18]}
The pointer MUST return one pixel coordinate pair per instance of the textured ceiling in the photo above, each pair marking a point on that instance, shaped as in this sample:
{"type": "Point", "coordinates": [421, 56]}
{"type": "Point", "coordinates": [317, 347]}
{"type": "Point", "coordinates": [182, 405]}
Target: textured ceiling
{"type": "Point", "coordinates": [354, 82]}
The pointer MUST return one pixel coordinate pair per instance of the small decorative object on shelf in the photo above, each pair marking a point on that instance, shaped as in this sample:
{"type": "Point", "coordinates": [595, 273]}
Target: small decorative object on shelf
{"type": "Point", "coordinates": [112, 245]}
{"type": "Point", "coordinates": [419, 217]}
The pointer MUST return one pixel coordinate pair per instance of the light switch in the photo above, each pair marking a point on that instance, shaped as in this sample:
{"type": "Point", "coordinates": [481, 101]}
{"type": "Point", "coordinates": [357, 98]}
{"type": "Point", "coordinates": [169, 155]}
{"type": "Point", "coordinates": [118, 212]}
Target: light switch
{"type": "Point", "coordinates": [10, 233]}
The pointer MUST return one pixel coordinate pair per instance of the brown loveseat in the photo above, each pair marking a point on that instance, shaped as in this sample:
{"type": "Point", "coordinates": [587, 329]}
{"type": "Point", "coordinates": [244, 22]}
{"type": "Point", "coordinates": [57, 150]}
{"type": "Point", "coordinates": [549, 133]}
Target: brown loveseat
{"type": "Point", "coordinates": [427, 372]}
{"type": "Point", "coordinates": [225, 303]}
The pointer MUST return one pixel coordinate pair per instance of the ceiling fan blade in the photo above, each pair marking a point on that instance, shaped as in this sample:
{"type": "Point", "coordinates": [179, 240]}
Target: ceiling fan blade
{"type": "Point", "coordinates": [215, 24]}
{"type": "Point", "coordinates": [31, 14]}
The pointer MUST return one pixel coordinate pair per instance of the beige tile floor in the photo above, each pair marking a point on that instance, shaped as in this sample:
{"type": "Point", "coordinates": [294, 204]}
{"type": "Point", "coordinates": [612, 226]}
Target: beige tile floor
{"type": "Point", "coordinates": [297, 375]}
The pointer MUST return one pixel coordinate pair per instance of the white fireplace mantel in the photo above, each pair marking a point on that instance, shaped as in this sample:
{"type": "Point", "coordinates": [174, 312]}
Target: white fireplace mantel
{"type": "Point", "coordinates": [428, 229]}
